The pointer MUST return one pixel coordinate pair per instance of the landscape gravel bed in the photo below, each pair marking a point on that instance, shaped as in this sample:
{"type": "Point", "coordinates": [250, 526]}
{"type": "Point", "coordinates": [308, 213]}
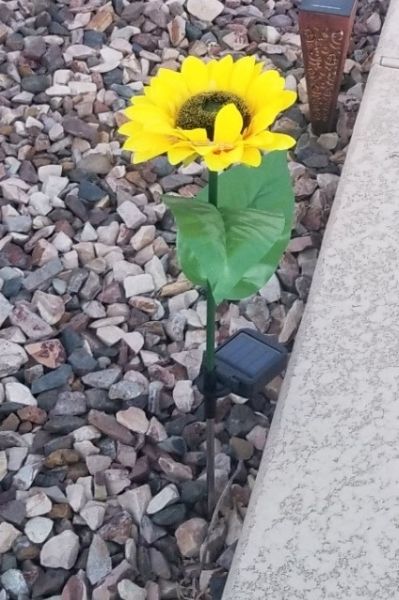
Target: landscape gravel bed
{"type": "Point", "coordinates": [102, 434]}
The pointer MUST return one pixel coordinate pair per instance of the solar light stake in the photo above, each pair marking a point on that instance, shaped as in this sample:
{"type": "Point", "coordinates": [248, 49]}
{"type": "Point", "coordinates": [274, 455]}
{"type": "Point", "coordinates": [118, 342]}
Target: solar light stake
{"type": "Point", "coordinates": [210, 375]}
{"type": "Point", "coordinates": [325, 27]}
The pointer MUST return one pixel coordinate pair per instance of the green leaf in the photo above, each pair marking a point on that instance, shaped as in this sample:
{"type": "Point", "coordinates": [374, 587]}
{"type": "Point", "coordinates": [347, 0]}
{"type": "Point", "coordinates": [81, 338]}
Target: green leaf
{"type": "Point", "coordinates": [237, 246]}
{"type": "Point", "coordinates": [201, 242]}
{"type": "Point", "coordinates": [250, 234]}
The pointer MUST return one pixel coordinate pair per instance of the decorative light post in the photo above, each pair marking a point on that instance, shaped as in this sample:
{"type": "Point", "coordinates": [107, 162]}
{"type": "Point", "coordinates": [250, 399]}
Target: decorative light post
{"type": "Point", "coordinates": [325, 27]}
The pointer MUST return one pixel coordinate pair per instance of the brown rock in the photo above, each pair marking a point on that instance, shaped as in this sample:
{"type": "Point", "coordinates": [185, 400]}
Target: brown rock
{"type": "Point", "coordinates": [101, 21]}
{"type": "Point", "coordinates": [119, 528]}
{"type": "Point", "coordinates": [79, 128]}
{"type": "Point", "coordinates": [74, 589]}
{"type": "Point", "coordinates": [34, 414]}
{"type": "Point", "coordinates": [190, 535]}
{"type": "Point", "coordinates": [61, 457]}
{"type": "Point", "coordinates": [109, 425]}
{"type": "Point", "coordinates": [60, 511]}
{"type": "Point", "coordinates": [50, 353]}
{"type": "Point", "coordinates": [30, 323]}
{"type": "Point", "coordinates": [13, 256]}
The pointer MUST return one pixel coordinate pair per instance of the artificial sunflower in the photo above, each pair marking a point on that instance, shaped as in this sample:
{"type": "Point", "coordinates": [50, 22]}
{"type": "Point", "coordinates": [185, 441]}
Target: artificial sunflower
{"type": "Point", "coordinates": [219, 111]}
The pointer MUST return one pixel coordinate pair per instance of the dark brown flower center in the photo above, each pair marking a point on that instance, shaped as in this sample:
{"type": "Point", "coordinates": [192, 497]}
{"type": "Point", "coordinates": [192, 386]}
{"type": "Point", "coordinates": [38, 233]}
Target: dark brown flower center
{"type": "Point", "coordinates": [201, 110]}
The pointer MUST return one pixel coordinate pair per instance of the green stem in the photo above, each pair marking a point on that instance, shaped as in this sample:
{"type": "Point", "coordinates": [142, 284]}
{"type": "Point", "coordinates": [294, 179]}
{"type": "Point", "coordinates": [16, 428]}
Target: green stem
{"type": "Point", "coordinates": [211, 309]}
{"type": "Point", "coordinates": [210, 380]}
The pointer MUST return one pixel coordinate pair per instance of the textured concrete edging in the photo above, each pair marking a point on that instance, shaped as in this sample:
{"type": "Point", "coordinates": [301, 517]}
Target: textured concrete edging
{"type": "Point", "coordinates": [323, 522]}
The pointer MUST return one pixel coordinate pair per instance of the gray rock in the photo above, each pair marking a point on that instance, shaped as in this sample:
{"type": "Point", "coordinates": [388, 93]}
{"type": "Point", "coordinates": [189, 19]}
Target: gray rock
{"type": "Point", "coordinates": [15, 583]}
{"type": "Point", "coordinates": [99, 563]}
{"type": "Point", "coordinates": [8, 535]}
{"type": "Point", "coordinates": [128, 590]}
{"type": "Point", "coordinates": [43, 275]}
{"type": "Point", "coordinates": [12, 357]}
{"type": "Point", "coordinates": [60, 551]}
{"type": "Point", "coordinates": [102, 379]}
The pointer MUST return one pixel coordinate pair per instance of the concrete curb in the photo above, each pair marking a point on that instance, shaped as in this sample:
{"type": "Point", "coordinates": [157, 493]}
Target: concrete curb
{"type": "Point", "coordinates": [323, 521]}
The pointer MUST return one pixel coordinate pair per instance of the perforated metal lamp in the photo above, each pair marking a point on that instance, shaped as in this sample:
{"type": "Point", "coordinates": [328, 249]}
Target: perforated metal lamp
{"type": "Point", "coordinates": [325, 27]}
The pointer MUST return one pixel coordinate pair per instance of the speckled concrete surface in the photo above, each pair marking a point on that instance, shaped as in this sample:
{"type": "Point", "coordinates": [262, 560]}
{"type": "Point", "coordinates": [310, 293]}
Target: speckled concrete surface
{"type": "Point", "coordinates": [323, 523]}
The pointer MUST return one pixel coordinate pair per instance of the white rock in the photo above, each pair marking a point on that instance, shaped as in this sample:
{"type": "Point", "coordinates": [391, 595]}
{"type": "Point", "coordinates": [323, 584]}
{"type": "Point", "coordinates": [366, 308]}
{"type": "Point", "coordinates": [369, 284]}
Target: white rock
{"type": "Point", "coordinates": [190, 535]}
{"type": "Point", "coordinates": [183, 395]}
{"type": "Point", "coordinates": [51, 307]}
{"type": "Point", "coordinates": [12, 357]}
{"type": "Point", "coordinates": [53, 186]}
{"type": "Point", "coordinates": [76, 495]}
{"type": "Point", "coordinates": [16, 457]}
{"type": "Point", "coordinates": [99, 563]}
{"type": "Point", "coordinates": [82, 87]}
{"type": "Point", "coordinates": [62, 76]}
{"type": "Point", "coordinates": [111, 58]}
{"type": "Point", "coordinates": [56, 132]}
{"type": "Point", "coordinates": [182, 301]}
{"type": "Point", "coordinates": [131, 215]}
{"type": "Point", "coordinates": [8, 535]}
{"type": "Point", "coordinates": [38, 504]}
{"type": "Point", "coordinates": [39, 204]}
{"type": "Point", "coordinates": [136, 501]}
{"type": "Point", "coordinates": [177, 30]}
{"type": "Point", "coordinates": [168, 495]}
{"type": "Point", "coordinates": [78, 51]}
{"type": "Point", "coordinates": [123, 268]}
{"type": "Point", "coordinates": [205, 10]}
{"type": "Point", "coordinates": [17, 392]}
{"type": "Point", "coordinates": [88, 234]}
{"type": "Point", "coordinates": [60, 551]}
{"type": "Point", "coordinates": [154, 267]}
{"type": "Point", "coordinates": [110, 334]}
{"type": "Point", "coordinates": [128, 590]}
{"type": "Point", "coordinates": [271, 291]}
{"type": "Point", "coordinates": [374, 23]}
{"type": "Point", "coordinates": [47, 171]}
{"type": "Point", "coordinates": [5, 309]}
{"type": "Point", "coordinates": [58, 90]}
{"type": "Point", "coordinates": [134, 340]}
{"type": "Point", "coordinates": [272, 35]}
{"type": "Point", "coordinates": [93, 513]}
{"type": "Point", "coordinates": [144, 236]}
{"type": "Point", "coordinates": [3, 464]}
{"type": "Point", "coordinates": [107, 234]}
{"type": "Point", "coordinates": [25, 477]}
{"type": "Point", "coordinates": [135, 285]}
{"type": "Point", "coordinates": [38, 529]}
{"type": "Point", "coordinates": [291, 322]}
{"type": "Point", "coordinates": [134, 419]}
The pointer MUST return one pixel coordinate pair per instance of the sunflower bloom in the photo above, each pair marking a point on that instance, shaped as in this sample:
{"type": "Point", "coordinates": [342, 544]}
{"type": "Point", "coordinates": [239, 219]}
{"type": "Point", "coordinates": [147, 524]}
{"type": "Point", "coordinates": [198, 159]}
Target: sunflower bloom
{"type": "Point", "coordinates": [219, 111]}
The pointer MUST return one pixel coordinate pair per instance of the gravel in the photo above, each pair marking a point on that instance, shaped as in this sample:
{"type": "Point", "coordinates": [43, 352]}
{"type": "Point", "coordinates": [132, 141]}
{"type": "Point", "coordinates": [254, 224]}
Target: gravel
{"type": "Point", "coordinates": [102, 434]}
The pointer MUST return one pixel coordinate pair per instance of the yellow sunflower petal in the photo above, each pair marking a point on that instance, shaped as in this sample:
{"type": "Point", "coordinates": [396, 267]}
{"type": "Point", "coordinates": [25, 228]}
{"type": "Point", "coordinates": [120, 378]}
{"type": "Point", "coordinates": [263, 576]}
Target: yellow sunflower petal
{"type": "Point", "coordinates": [148, 145]}
{"type": "Point", "coordinates": [263, 119]}
{"type": "Point", "coordinates": [242, 75]}
{"type": "Point", "coordinates": [269, 112]}
{"type": "Point", "coordinates": [180, 152]}
{"type": "Point", "coordinates": [130, 128]}
{"type": "Point", "coordinates": [150, 114]}
{"type": "Point", "coordinates": [197, 136]}
{"type": "Point", "coordinates": [228, 124]}
{"type": "Point", "coordinates": [195, 74]}
{"type": "Point", "coordinates": [251, 156]}
{"type": "Point", "coordinates": [269, 141]}
{"type": "Point", "coordinates": [217, 160]}
{"type": "Point", "coordinates": [220, 73]}
{"type": "Point", "coordinates": [263, 88]}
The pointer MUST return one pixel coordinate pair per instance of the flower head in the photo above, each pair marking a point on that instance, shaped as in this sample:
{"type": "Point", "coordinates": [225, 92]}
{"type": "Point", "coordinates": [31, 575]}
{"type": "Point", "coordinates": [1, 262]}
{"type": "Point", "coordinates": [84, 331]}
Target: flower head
{"type": "Point", "coordinates": [220, 111]}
